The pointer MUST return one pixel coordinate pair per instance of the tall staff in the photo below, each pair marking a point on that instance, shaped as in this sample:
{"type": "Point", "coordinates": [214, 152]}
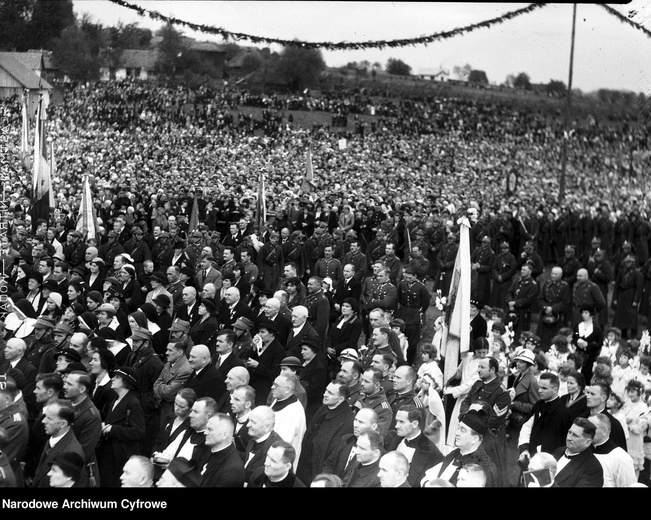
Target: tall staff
{"type": "Point", "coordinates": [568, 112]}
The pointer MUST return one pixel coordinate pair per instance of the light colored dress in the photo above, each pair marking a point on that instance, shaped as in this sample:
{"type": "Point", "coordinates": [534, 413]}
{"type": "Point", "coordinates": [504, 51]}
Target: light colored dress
{"type": "Point", "coordinates": [636, 418]}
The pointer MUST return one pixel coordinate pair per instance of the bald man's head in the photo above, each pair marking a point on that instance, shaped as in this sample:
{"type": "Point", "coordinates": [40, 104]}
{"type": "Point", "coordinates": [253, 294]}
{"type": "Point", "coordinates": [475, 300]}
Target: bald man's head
{"type": "Point", "coordinates": [365, 420]}
{"type": "Point", "coordinates": [237, 376]}
{"type": "Point", "coordinates": [199, 357]}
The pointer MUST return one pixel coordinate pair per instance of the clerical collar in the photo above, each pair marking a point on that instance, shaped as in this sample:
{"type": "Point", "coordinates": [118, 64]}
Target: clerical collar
{"type": "Point", "coordinates": [263, 438]}
{"type": "Point", "coordinates": [279, 405]}
{"type": "Point", "coordinates": [595, 412]}
{"type": "Point", "coordinates": [570, 456]}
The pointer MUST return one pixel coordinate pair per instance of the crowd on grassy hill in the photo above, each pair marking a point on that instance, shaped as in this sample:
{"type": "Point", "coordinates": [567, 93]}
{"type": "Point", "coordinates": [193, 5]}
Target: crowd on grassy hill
{"type": "Point", "coordinates": [384, 207]}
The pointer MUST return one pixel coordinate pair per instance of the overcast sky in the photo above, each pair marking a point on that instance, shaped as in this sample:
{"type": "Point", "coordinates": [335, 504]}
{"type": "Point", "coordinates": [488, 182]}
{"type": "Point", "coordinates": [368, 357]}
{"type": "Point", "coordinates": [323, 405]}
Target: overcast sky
{"type": "Point", "coordinates": [608, 53]}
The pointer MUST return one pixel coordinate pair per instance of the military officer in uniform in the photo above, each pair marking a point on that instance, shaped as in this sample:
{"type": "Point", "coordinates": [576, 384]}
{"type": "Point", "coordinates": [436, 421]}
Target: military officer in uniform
{"type": "Point", "coordinates": [13, 420]}
{"type": "Point", "coordinates": [271, 262]}
{"type": "Point", "coordinates": [504, 269]}
{"type": "Point", "coordinates": [483, 259]}
{"type": "Point", "coordinates": [373, 396]}
{"type": "Point", "coordinates": [318, 311]}
{"type": "Point", "coordinates": [585, 294]}
{"type": "Point", "coordinates": [413, 301]}
{"type": "Point", "coordinates": [555, 302]}
{"type": "Point", "coordinates": [522, 298]}
{"type": "Point", "coordinates": [446, 257]}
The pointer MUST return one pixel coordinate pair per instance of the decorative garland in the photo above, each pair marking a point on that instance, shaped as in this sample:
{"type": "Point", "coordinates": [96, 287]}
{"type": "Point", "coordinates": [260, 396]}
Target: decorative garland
{"type": "Point", "coordinates": [155, 15]}
{"type": "Point", "coordinates": [623, 18]}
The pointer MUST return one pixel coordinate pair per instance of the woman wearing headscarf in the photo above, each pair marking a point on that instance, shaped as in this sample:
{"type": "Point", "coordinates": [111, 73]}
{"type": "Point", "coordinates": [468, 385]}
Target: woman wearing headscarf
{"type": "Point", "coordinates": [130, 287]}
{"type": "Point", "coordinates": [53, 307]}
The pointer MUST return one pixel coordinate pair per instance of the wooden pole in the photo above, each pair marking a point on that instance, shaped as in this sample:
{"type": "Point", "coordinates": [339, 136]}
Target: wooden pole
{"type": "Point", "coordinates": [568, 112]}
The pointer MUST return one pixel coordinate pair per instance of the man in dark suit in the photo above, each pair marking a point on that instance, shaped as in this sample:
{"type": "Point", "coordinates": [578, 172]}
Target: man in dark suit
{"type": "Point", "coordinates": [301, 331]}
{"type": "Point", "coordinates": [48, 388]}
{"type": "Point", "coordinates": [87, 425]}
{"type": "Point", "coordinates": [205, 380]}
{"type": "Point", "coordinates": [241, 401]}
{"type": "Point", "coordinates": [408, 438]}
{"type": "Point", "coordinates": [208, 274]}
{"type": "Point", "coordinates": [225, 467]}
{"type": "Point", "coordinates": [363, 470]}
{"type": "Point", "coordinates": [597, 396]}
{"type": "Point", "coordinates": [175, 286]}
{"type": "Point", "coordinates": [347, 287]}
{"type": "Point", "coordinates": [188, 310]}
{"type": "Point", "coordinates": [318, 309]}
{"type": "Point", "coordinates": [578, 466]}
{"type": "Point", "coordinates": [547, 427]}
{"type": "Point", "coordinates": [224, 359]}
{"type": "Point", "coordinates": [331, 421]}
{"type": "Point", "coordinates": [271, 312]}
{"type": "Point", "coordinates": [342, 454]}
{"type": "Point", "coordinates": [233, 308]}
{"type": "Point", "coordinates": [58, 425]}
{"type": "Point", "coordinates": [261, 430]}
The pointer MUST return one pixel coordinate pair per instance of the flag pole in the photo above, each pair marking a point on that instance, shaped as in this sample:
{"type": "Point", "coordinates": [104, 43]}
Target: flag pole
{"type": "Point", "coordinates": [568, 112]}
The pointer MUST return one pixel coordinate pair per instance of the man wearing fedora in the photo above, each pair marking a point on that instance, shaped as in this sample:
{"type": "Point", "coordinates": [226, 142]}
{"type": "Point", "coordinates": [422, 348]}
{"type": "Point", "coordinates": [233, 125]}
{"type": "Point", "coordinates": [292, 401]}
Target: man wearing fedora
{"type": "Point", "coordinates": [180, 332]}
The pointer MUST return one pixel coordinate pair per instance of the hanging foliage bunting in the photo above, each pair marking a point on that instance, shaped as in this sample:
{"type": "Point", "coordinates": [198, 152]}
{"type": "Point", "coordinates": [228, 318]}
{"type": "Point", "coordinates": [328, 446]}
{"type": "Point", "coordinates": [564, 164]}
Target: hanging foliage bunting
{"type": "Point", "coordinates": [379, 44]}
{"type": "Point", "coordinates": [624, 19]}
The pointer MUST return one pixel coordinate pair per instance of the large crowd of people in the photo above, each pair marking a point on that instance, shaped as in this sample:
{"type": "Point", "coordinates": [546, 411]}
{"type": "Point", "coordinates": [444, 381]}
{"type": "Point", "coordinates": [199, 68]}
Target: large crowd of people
{"type": "Point", "coordinates": [195, 340]}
